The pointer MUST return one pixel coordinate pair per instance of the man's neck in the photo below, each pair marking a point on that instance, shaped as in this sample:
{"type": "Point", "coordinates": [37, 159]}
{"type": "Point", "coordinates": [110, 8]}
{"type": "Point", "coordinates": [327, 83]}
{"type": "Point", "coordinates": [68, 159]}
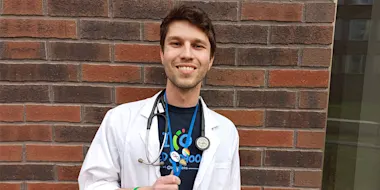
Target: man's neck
{"type": "Point", "coordinates": [182, 98]}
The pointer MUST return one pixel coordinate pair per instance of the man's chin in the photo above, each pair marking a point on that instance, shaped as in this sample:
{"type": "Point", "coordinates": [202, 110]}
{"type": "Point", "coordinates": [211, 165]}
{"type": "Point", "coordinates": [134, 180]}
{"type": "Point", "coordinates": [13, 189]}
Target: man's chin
{"type": "Point", "coordinates": [186, 86]}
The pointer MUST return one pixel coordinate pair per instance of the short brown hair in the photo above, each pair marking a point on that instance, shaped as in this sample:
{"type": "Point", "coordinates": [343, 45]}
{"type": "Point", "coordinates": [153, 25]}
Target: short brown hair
{"type": "Point", "coordinates": [195, 16]}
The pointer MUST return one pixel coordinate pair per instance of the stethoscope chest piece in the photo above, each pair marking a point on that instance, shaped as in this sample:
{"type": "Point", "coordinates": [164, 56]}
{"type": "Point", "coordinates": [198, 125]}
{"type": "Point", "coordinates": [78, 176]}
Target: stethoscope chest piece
{"type": "Point", "coordinates": [202, 143]}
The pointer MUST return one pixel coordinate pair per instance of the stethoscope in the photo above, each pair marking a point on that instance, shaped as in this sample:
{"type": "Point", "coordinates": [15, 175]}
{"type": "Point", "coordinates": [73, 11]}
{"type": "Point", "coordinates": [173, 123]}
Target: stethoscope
{"type": "Point", "coordinates": [202, 142]}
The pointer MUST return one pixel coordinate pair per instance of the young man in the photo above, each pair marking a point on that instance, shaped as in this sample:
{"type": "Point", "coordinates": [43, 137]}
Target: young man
{"type": "Point", "coordinates": [171, 140]}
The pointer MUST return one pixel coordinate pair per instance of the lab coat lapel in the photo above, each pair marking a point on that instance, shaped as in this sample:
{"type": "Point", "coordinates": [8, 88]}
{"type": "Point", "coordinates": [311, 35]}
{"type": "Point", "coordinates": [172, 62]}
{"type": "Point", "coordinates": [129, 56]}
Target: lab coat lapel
{"type": "Point", "coordinates": [153, 146]}
{"type": "Point", "coordinates": [154, 141]}
{"type": "Point", "coordinates": [208, 155]}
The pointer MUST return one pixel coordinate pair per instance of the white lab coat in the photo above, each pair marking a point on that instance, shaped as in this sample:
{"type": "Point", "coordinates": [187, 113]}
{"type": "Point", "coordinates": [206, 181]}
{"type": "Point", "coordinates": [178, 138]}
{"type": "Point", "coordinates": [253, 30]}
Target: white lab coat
{"type": "Point", "coordinates": [112, 159]}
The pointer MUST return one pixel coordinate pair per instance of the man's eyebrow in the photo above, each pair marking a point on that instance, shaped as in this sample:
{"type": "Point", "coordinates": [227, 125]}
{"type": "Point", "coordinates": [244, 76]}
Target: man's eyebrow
{"type": "Point", "coordinates": [174, 38]}
{"type": "Point", "coordinates": [196, 40]}
{"type": "Point", "coordinates": [200, 41]}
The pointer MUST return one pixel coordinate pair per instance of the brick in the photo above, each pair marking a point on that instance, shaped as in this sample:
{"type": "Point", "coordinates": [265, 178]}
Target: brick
{"type": "Point", "coordinates": [10, 186]}
{"type": "Point", "coordinates": [310, 139]}
{"type": "Point", "coordinates": [61, 51]}
{"type": "Point", "coordinates": [148, 9]}
{"type": "Point", "coordinates": [11, 112]}
{"type": "Point", "coordinates": [265, 177]}
{"type": "Point", "coordinates": [250, 157]}
{"type": "Point", "coordinates": [215, 10]}
{"type": "Point", "coordinates": [94, 114]}
{"type": "Point", "coordinates": [55, 186]}
{"type": "Point", "coordinates": [267, 56]}
{"type": "Point", "coordinates": [90, 29]}
{"type": "Point", "coordinates": [37, 28]}
{"type": "Point", "coordinates": [303, 159]}
{"type": "Point", "coordinates": [82, 94]}
{"type": "Point", "coordinates": [299, 78]}
{"type": "Point", "coordinates": [307, 178]}
{"type": "Point", "coordinates": [38, 72]}
{"type": "Point", "coordinates": [52, 113]}
{"type": "Point", "coordinates": [26, 172]}
{"type": "Point", "coordinates": [316, 57]}
{"type": "Point", "coordinates": [320, 12]}
{"type": "Point", "coordinates": [218, 98]}
{"type": "Point", "coordinates": [243, 34]}
{"type": "Point", "coordinates": [279, 188]}
{"type": "Point", "coordinates": [68, 173]}
{"type": "Point", "coordinates": [22, 7]}
{"type": "Point", "coordinates": [266, 138]}
{"type": "Point", "coordinates": [313, 99]}
{"type": "Point", "coordinates": [24, 93]}
{"type": "Point", "coordinates": [250, 188]}
{"type": "Point", "coordinates": [85, 149]}
{"type": "Point", "coordinates": [111, 73]}
{"type": "Point", "coordinates": [152, 31]}
{"type": "Point", "coordinates": [271, 11]}
{"type": "Point", "coordinates": [154, 75]}
{"type": "Point", "coordinates": [224, 56]}
{"type": "Point", "coordinates": [295, 119]}
{"type": "Point", "coordinates": [10, 152]}
{"type": "Point", "coordinates": [302, 34]}
{"type": "Point", "coordinates": [266, 99]}
{"type": "Point", "coordinates": [252, 118]}
{"type": "Point", "coordinates": [54, 153]}
{"type": "Point", "coordinates": [74, 133]}
{"type": "Point", "coordinates": [130, 94]}
{"type": "Point", "coordinates": [137, 53]}
{"type": "Point", "coordinates": [83, 8]}
{"type": "Point", "coordinates": [19, 133]}
{"type": "Point", "coordinates": [22, 50]}
{"type": "Point", "coordinates": [235, 77]}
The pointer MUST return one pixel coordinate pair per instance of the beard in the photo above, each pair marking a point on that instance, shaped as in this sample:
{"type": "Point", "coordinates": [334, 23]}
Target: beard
{"type": "Point", "coordinates": [183, 84]}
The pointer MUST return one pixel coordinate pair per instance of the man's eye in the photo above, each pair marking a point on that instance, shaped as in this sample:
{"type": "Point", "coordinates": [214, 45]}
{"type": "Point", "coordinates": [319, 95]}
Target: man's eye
{"type": "Point", "coordinates": [175, 44]}
{"type": "Point", "coordinates": [198, 46]}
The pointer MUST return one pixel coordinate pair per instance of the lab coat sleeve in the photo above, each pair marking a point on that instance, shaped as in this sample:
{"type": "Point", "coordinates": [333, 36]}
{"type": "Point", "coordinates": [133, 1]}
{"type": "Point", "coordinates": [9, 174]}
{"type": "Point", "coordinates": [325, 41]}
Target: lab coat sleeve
{"type": "Point", "coordinates": [101, 167]}
{"type": "Point", "coordinates": [235, 167]}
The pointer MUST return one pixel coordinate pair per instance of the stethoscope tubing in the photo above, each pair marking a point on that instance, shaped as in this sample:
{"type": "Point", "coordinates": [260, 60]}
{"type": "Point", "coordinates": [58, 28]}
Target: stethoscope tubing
{"type": "Point", "coordinates": [159, 99]}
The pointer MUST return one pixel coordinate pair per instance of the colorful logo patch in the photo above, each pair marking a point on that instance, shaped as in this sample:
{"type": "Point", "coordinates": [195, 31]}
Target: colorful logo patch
{"type": "Point", "coordinates": [186, 152]}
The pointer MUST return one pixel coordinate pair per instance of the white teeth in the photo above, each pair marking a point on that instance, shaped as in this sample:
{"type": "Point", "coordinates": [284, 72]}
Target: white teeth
{"type": "Point", "coordinates": [186, 68]}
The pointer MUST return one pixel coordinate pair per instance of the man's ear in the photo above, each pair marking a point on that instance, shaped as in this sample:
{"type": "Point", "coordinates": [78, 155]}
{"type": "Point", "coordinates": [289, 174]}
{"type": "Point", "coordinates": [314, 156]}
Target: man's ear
{"type": "Point", "coordinates": [211, 62]}
{"type": "Point", "coordinates": [162, 55]}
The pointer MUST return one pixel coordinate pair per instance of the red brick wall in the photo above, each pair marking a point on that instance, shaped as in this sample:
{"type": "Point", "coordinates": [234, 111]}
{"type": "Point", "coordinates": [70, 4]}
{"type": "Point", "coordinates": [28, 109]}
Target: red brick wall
{"type": "Point", "coordinates": [63, 64]}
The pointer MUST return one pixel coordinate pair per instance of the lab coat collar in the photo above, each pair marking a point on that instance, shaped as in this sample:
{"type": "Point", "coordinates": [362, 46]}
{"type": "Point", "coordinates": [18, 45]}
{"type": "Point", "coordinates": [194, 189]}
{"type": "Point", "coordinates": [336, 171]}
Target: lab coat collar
{"type": "Point", "coordinates": [154, 143]}
{"type": "Point", "coordinates": [208, 156]}
{"type": "Point", "coordinates": [147, 108]}
{"type": "Point", "coordinates": [209, 120]}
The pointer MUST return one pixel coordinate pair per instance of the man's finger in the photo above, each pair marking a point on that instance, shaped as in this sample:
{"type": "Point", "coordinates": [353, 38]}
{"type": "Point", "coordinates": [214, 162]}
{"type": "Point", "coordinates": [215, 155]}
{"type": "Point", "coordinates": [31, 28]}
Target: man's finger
{"type": "Point", "coordinates": [168, 187]}
{"type": "Point", "coordinates": [171, 179]}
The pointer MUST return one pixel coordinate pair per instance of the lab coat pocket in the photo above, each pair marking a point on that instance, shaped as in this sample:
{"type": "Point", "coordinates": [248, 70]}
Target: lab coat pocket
{"type": "Point", "coordinates": [221, 174]}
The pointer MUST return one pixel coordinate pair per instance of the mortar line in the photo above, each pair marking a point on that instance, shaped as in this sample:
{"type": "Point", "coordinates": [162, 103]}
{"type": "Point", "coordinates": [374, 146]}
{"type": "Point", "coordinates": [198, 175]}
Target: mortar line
{"type": "Point", "coordinates": [45, 7]}
{"type": "Point", "coordinates": [110, 9]}
{"type": "Point", "coordinates": [1, 7]}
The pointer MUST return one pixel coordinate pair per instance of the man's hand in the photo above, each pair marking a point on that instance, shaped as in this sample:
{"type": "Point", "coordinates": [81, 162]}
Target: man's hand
{"type": "Point", "coordinates": [169, 182]}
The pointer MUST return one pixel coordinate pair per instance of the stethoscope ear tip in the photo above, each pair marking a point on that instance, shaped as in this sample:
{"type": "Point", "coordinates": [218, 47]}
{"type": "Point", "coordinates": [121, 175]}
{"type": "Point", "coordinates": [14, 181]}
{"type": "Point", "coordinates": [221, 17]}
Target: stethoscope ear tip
{"type": "Point", "coordinates": [140, 160]}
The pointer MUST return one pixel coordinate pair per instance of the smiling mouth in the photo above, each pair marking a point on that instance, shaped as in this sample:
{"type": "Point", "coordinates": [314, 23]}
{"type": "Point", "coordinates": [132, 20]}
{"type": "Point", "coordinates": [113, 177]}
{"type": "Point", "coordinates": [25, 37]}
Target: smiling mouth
{"type": "Point", "coordinates": [185, 68]}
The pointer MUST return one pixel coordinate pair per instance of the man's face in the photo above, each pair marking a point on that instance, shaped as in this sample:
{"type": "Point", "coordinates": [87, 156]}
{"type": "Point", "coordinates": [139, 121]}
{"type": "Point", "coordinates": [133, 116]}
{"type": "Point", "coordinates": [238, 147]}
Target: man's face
{"type": "Point", "coordinates": [186, 57]}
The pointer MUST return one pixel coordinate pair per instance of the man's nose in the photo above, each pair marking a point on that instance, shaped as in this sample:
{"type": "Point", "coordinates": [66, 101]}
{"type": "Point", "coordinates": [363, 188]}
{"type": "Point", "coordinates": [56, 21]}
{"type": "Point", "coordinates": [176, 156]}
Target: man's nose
{"type": "Point", "coordinates": [187, 52]}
